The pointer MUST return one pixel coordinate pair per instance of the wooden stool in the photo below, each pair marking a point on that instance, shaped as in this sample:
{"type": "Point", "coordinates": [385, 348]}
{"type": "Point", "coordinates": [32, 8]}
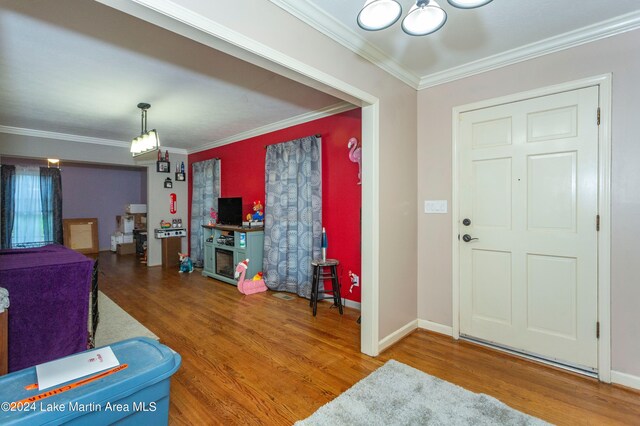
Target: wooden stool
{"type": "Point", "coordinates": [319, 274]}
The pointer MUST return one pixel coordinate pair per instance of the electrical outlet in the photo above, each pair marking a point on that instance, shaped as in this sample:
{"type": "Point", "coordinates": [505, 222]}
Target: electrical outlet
{"type": "Point", "coordinates": [355, 281]}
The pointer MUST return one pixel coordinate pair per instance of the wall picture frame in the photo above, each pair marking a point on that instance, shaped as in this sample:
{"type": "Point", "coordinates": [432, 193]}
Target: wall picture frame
{"type": "Point", "coordinates": [163, 166]}
{"type": "Point", "coordinates": [180, 176]}
{"type": "Point", "coordinates": [168, 183]}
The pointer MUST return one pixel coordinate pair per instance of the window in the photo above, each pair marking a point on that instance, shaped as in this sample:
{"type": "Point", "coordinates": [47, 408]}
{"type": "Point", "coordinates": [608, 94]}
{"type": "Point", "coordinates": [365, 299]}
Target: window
{"type": "Point", "coordinates": [28, 226]}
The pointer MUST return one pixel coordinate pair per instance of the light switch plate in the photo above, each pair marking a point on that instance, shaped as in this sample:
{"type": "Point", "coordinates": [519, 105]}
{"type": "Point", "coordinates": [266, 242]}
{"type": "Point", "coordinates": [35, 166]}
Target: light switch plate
{"type": "Point", "coordinates": [435, 206]}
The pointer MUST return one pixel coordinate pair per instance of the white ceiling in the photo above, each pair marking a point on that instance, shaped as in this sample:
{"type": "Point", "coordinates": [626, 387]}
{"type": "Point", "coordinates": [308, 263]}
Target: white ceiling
{"type": "Point", "coordinates": [472, 40]}
{"type": "Point", "coordinates": [76, 67]}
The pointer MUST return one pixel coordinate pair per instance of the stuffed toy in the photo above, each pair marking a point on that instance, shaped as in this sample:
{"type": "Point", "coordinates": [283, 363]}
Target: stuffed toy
{"type": "Point", "coordinates": [248, 286]}
{"type": "Point", "coordinates": [258, 215]}
{"type": "Point", "coordinates": [186, 265]}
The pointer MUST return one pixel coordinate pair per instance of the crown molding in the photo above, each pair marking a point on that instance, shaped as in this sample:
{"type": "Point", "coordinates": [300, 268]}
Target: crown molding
{"type": "Point", "coordinates": [75, 138]}
{"type": "Point", "coordinates": [279, 125]}
{"type": "Point", "coordinates": [598, 31]}
{"type": "Point", "coordinates": [312, 15]}
{"type": "Point", "coordinates": [317, 18]}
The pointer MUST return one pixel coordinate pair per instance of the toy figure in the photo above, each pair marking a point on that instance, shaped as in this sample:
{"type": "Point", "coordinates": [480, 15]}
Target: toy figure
{"type": "Point", "coordinates": [258, 215]}
{"type": "Point", "coordinates": [186, 265]}
{"type": "Point", "coordinates": [248, 286]}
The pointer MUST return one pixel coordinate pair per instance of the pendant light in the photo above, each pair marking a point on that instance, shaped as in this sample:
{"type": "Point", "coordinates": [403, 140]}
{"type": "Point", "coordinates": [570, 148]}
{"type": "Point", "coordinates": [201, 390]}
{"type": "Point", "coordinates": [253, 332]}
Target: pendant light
{"type": "Point", "coordinates": [425, 17]}
{"type": "Point", "coordinates": [148, 141]}
{"type": "Point", "coordinates": [468, 4]}
{"type": "Point", "coordinates": [379, 14]}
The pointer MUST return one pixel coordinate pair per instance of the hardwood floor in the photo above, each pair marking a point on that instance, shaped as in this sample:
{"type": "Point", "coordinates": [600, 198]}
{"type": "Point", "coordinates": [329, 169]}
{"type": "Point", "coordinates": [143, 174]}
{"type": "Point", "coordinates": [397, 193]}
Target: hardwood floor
{"type": "Point", "coordinates": [262, 360]}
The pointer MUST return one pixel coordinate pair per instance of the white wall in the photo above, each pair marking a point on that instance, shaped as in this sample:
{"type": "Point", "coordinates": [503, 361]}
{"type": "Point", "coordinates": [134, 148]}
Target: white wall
{"type": "Point", "coordinates": [618, 55]}
{"type": "Point", "coordinates": [158, 205]}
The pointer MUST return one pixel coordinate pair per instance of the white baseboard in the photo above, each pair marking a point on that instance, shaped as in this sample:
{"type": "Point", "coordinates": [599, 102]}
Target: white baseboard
{"type": "Point", "coordinates": [625, 379]}
{"type": "Point", "coordinates": [397, 335]}
{"type": "Point", "coordinates": [351, 304]}
{"type": "Point", "coordinates": [435, 327]}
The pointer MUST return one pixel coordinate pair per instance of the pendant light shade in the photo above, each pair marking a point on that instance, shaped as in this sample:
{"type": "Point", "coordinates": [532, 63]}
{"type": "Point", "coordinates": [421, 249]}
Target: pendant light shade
{"type": "Point", "coordinates": [468, 4]}
{"type": "Point", "coordinates": [379, 14]}
{"type": "Point", "coordinates": [425, 17]}
{"type": "Point", "coordinates": [148, 141]}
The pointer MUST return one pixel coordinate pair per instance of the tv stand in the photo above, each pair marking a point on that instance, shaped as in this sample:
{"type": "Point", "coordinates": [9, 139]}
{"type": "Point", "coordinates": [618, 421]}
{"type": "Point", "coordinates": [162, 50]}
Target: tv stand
{"type": "Point", "coordinates": [226, 245]}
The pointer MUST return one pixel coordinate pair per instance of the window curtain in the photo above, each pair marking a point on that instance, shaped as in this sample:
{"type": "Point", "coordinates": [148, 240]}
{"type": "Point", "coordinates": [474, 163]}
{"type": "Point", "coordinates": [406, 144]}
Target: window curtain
{"type": "Point", "coordinates": [293, 214]}
{"type": "Point", "coordinates": [27, 214]}
{"type": "Point", "coordinates": [51, 200]}
{"type": "Point", "coordinates": [7, 192]}
{"type": "Point", "coordinates": [205, 176]}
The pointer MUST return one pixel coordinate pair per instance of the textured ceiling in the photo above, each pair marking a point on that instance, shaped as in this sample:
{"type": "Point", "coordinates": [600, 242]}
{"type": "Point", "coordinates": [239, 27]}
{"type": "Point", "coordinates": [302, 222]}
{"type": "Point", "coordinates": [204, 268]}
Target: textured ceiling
{"type": "Point", "coordinates": [78, 67]}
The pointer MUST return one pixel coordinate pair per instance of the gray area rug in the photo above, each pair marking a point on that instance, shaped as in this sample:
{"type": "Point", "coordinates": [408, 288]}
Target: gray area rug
{"type": "Point", "coordinates": [116, 324]}
{"type": "Point", "coordinates": [396, 394]}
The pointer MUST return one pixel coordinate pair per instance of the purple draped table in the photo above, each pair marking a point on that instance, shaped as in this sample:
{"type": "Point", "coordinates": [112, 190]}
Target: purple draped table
{"type": "Point", "coordinates": [49, 290]}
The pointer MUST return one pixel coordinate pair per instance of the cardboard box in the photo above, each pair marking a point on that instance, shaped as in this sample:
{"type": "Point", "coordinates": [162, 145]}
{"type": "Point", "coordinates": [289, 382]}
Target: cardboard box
{"type": "Point", "coordinates": [126, 248]}
{"type": "Point", "coordinates": [117, 238]}
{"type": "Point", "coordinates": [135, 208]}
{"type": "Point", "coordinates": [125, 224]}
{"type": "Point", "coordinates": [139, 221]}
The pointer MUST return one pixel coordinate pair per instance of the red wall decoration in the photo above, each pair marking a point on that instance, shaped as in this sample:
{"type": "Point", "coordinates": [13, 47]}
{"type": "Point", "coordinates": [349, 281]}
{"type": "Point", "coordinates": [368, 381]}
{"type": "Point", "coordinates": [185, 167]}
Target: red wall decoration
{"type": "Point", "coordinates": [242, 175]}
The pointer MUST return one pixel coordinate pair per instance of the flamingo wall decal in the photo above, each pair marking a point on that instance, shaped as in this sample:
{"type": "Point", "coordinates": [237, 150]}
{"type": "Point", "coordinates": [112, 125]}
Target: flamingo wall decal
{"type": "Point", "coordinates": [355, 155]}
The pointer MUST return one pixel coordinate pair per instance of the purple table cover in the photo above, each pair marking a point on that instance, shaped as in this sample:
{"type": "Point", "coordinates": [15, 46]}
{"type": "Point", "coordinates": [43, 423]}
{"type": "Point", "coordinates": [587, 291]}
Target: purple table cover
{"type": "Point", "coordinates": [49, 290]}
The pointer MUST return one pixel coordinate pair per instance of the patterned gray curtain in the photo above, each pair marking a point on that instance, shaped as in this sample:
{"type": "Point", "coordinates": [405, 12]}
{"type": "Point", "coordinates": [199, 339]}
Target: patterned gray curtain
{"type": "Point", "coordinates": [7, 192]}
{"type": "Point", "coordinates": [51, 197]}
{"type": "Point", "coordinates": [293, 214]}
{"type": "Point", "coordinates": [206, 190]}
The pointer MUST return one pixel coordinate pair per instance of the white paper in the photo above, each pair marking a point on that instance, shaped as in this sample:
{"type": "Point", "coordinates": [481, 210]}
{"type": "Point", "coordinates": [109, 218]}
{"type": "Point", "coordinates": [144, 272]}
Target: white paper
{"type": "Point", "coordinates": [63, 370]}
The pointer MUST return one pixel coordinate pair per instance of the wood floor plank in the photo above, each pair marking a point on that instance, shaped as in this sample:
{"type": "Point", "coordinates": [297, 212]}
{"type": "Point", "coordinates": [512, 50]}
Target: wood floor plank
{"type": "Point", "coordinates": [262, 360]}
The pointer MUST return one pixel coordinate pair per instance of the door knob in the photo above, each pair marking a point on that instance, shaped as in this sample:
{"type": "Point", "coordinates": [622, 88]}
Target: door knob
{"type": "Point", "coordinates": [467, 238]}
{"type": "Point", "coordinates": [466, 222]}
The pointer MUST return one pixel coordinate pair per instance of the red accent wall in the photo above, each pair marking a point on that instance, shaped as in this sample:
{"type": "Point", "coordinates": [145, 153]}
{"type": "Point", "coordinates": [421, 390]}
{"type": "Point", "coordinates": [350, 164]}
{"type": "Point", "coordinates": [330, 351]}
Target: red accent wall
{"type": "Point", "coordinates": [242, 175]}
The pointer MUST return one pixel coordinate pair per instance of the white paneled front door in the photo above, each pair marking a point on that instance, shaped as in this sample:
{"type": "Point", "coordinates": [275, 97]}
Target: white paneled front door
{"type": "Point", "coordinates": [528, 189]}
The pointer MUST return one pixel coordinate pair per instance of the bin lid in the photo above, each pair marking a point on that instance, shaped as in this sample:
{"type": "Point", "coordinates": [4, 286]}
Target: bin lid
{"type": "Point", "coordinates": [149, 362]}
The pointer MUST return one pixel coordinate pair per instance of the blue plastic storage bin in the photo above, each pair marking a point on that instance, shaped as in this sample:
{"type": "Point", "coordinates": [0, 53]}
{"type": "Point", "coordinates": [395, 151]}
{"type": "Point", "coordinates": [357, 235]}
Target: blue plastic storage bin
{"type": "Point", "coordinates": [136, 395]}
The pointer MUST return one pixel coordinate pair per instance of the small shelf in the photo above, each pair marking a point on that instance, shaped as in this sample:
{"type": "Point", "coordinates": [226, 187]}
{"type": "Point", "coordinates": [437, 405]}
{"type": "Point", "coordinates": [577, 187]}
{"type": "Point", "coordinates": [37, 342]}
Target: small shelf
{"type": "Point", "coordinates": [163, 167]}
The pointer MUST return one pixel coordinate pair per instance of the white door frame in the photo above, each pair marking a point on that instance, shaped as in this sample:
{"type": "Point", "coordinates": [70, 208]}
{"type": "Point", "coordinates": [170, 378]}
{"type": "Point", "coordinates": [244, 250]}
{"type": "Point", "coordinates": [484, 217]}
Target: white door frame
{"type": "Point", "coordinates": [192, 25]}
{"type": "Point", "coordinates": [604, 204]}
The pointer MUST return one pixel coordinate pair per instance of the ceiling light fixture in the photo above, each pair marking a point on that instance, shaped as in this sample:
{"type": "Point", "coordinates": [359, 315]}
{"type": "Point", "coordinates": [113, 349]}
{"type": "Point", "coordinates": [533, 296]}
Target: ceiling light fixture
{"type": "Point", "coordinates": [379, 14]}
{"type": "Point", "coordinates": [148, 140]}
{"type": "Point", "coordinates": [424, 17]}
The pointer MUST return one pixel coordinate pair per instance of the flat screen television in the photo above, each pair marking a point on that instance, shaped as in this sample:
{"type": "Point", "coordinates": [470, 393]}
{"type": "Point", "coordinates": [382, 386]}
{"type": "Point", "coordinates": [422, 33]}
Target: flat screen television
{"type": "Point", "coordinates": [230, 211]}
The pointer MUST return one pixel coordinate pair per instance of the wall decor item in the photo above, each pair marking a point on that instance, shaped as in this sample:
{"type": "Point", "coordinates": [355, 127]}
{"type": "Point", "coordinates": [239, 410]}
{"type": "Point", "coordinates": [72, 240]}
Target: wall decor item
{"type": "Point", "coordinates": [355, 155]}
{"type": "Point", "coordinates": [168, 183]}
{"type": "Point", "coordinates": [163, 166]}
{"type": "Point", "coordinates": [180, 176]}
{"type": "Point", "coordinates": [173, 203]}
